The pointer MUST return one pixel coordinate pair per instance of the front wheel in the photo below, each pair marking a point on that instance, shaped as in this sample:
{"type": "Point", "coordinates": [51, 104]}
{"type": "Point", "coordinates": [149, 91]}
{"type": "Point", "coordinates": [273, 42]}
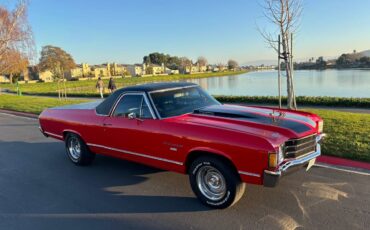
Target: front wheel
{"type": "Point", "coordinates": [215, 183]}
{"type": "Point", "coordinates": [77, 150]}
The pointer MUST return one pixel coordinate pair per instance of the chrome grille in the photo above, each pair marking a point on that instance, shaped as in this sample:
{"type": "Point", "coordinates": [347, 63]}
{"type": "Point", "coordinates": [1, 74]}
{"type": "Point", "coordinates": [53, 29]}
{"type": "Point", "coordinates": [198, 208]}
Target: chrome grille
{"type": "Point", "coordinates": [298, 147]}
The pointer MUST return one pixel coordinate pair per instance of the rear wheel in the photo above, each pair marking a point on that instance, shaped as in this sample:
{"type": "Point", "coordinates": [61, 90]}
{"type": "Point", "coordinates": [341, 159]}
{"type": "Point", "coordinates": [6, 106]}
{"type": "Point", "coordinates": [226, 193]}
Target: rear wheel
{"type": "Point", "coordinates": [77, 150]}
{"type": "Point", "coordinates": [215, 183]}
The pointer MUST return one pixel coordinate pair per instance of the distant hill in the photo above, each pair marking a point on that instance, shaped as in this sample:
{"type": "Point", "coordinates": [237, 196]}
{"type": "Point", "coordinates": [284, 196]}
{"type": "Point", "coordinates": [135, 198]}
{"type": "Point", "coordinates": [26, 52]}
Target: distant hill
{"type": "Point", "coordinates": [365, 53]}
{"type": "Point", "coordinates": [358, 55]}
{"type": "Point", "coordinates": [353, 56]}
{"type": "Point", "coordinates": [260, 62]}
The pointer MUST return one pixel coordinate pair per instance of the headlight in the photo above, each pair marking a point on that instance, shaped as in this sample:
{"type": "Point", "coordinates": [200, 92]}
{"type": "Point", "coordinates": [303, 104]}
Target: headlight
{"type": "Point", "coordinates": [275, 158]}
{"type": "Point", "coordinates": [320, 126]}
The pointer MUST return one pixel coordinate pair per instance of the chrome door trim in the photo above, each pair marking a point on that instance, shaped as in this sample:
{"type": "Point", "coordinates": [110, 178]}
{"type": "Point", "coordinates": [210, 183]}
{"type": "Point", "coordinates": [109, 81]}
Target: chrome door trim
{"type": "Point", "coordinates": [53, 135]}
{"type": "Point", "coordinates": [136, 154]}
{"type": "Point", "coordinates": [249, 174]}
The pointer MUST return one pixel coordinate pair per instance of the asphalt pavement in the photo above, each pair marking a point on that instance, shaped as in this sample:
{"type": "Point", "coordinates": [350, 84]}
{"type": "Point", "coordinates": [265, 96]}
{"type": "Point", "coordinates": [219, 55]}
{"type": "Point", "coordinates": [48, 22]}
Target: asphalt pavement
{"type": "Point", "coordinates": [41, 189]}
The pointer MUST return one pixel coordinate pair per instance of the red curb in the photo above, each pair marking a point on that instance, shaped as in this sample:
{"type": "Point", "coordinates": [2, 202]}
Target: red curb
{"type": "Point", "coordinates": [343, 162]}
{"type": "Point", "coordinates": [22, 114]}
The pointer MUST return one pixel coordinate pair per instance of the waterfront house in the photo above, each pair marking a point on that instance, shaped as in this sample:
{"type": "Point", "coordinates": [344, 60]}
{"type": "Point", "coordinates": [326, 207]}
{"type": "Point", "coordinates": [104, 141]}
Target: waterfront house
{"type": "Point", "coordinates": [135, 70]}
{"type": "Point", "coordinates": [154, 69]}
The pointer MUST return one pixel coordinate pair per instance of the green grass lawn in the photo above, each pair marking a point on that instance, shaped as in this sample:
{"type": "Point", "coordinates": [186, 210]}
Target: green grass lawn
{"type": "Point", "coordinates": [87, 87]}
{"type": "Point", "coordinates": [30, 104]}
{"type": "Point", "coordinates": [348, 133]}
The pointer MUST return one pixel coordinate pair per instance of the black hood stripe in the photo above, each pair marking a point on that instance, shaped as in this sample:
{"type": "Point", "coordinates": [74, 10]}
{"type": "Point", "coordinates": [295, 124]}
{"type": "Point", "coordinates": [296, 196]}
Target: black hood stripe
{"type": "Point", "coordinates": [223, 111]}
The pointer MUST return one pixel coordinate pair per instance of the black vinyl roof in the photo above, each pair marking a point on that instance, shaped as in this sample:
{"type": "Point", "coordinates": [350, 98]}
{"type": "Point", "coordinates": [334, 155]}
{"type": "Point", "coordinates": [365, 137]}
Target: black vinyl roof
{"type": "Point", "coordinates": [156, 86]}
{"type": "Point", "coordinates": [104, 107]}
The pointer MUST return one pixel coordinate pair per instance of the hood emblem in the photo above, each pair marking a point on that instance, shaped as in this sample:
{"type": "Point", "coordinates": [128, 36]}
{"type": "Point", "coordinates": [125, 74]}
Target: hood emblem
{"type": "Point", "coordinates": [276, 115]}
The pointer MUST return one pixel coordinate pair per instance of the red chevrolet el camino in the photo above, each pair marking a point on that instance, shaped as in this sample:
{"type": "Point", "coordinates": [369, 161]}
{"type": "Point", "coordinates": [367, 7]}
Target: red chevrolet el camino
{"type": "Point", "coordinates": [181, 128]}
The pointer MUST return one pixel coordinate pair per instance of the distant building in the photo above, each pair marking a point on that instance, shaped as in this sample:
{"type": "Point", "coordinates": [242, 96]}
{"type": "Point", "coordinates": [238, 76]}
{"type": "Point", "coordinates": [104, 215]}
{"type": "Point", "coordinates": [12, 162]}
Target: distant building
{"type": "Point", "coordinates": [4, 79]}
{"type": "Point", "coordinates": [135, 70]}
{"type": "Point", "coordinates": [100, 70]}
{"type": "Point", "coordinates": [75, 72]}
{"type": "Point", "coordinates": [118, 70]}
{"type": "Point", "coordinates": [154, 69]}
{"type": "Point", "coordinates": [46, 76]}
{"type": "Point", "coordinates": [194, 68]}
{"type": "Point", "coordinates": [172, 71]}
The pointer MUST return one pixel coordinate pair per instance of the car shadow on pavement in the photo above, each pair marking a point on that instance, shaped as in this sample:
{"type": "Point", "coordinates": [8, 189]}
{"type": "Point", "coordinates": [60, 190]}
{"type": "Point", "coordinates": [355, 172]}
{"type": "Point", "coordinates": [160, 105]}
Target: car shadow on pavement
{"type": "Point", "coordinates": [55, 186]}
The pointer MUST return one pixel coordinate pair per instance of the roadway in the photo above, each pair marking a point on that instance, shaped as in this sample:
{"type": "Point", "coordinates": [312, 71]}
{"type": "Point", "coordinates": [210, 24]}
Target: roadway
{"type": "Point", "coordinates": [41, 189]}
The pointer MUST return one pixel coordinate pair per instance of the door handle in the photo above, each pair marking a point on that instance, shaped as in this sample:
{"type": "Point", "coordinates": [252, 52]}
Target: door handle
{"type": "Point", "coordinates": [106, 124]}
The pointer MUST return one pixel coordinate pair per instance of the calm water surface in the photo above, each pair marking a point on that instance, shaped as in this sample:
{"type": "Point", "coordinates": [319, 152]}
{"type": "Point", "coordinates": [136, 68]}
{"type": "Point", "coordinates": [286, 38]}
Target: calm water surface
{"type": "Point", "coordinates": [336, 83]}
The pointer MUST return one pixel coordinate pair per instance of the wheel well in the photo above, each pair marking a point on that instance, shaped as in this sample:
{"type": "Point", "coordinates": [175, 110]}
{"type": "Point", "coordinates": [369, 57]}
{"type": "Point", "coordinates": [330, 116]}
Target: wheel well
{"type": "Point", "coordinates": [65, 133]}
{"type": "Point", "coordinates": [195, 154]}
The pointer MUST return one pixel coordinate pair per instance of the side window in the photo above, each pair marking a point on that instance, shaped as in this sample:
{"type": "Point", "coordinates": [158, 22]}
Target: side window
{"type": "Point", "coordinates": [132, 104]}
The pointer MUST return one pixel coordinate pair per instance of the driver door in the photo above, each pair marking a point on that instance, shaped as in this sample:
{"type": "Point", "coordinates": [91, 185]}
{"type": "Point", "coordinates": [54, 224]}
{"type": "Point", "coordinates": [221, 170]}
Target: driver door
{"type": "Point", "coordinates": [130, 131]}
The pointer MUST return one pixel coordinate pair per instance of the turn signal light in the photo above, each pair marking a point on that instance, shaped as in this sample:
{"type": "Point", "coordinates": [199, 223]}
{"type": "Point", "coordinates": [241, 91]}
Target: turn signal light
{"type": "Point", "coordinates": [273, 160]}
{"type": "Point", "coordinates": [320, 126]}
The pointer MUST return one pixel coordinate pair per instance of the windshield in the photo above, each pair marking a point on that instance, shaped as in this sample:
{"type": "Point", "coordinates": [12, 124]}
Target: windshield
{"type": "Point", "coordinates": [176, 102]}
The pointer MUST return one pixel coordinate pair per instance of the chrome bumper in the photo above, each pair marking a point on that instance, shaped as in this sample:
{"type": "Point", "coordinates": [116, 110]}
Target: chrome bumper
{"type": "Point", "coordinates": [42, 131]}
{"type": "Point", "coordinates": [271, 177]}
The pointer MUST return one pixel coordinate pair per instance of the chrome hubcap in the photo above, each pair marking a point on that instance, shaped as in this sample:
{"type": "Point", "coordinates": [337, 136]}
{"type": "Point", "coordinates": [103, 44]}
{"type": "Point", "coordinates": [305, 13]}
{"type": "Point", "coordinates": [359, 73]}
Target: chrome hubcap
{"type": "Point", "coordinates": [211, 183]}
{"type": "Point", "coordinates": [74, 148]}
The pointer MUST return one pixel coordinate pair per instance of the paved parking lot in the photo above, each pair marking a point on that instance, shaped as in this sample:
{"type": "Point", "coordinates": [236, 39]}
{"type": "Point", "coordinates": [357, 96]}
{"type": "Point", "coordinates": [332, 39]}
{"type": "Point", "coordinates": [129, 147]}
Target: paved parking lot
{"type": "Point", "coordinates": [41, 189]}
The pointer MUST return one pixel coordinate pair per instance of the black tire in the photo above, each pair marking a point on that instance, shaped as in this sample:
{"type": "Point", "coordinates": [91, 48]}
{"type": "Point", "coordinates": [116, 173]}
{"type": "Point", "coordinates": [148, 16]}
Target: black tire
{"type": "Point", "coordinates": [84, 156]}
{"type": "Point", "coordinates": [233, 187]}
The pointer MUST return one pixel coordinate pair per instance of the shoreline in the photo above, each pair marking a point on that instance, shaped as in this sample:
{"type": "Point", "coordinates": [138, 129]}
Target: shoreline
{"type": "Point", "coordinates": [87, 87]}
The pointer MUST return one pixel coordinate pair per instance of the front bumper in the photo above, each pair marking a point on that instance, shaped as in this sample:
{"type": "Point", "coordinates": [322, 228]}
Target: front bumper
{"type": "Point", "coordinates": [271, 177]}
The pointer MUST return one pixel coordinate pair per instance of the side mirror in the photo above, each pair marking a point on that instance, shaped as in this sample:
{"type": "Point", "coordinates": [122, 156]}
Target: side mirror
{"type": "Point", "coordinates": [133, 116]}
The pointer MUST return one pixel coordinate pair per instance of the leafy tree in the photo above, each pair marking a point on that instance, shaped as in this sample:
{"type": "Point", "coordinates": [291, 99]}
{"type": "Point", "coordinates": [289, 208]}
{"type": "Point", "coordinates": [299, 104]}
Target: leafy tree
{"type": "Point", "coordinates": [172, 62]}
{"type": "Point", "coordinates": [14, 64]}
{"type": "Point", "coordinates": [365, 60]}
{"type": "Point", "coordinates": [320, 63]}
{"type": "Point", "coordinates": [232, 64]}
{"type": "Point", "coordinates": [57, 61]}
{"type": "Point", "coordinates": [343, 60]}
{"type": "Point", "coordinates": [149, 70]}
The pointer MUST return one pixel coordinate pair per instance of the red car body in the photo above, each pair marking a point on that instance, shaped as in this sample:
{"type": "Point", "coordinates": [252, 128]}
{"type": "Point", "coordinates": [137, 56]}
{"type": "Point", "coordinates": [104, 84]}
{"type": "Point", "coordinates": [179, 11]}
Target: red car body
{"type": "Point", "coordinates": [171, 143]}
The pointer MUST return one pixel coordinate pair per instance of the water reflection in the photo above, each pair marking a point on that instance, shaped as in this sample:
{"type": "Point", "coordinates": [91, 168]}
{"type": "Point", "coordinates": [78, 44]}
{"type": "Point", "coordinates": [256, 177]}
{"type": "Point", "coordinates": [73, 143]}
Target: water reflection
{"type": "Point", "coordinates": [337, 83]}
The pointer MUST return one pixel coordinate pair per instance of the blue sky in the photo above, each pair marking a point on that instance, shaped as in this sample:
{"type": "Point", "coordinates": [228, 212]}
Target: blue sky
{"type": "Point", "coordinates": [97, 31]}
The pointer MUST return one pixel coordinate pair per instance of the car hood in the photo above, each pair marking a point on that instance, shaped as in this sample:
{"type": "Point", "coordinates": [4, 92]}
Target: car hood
{"type": "Point", "coordinates": [273, 124]}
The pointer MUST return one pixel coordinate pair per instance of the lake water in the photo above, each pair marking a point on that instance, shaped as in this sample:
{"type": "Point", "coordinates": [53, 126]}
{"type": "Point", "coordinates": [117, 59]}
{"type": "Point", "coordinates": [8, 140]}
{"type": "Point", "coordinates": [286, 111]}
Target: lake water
{"type": "Point", "coordinates": [336, 83]}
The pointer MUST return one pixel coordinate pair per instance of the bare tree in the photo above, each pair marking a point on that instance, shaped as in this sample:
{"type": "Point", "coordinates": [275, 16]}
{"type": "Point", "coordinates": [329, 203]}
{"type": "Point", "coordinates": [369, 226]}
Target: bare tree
{"type": "Point", "coordinates": [285, 15]}
{"type": "Point", "coordinates": [220, 66]}
{"type": "Point", "coordinates": [15, 36]}
{"type": "Point", "coordinates": [185, 63]}
{"type": "Point", "coordinates": [202, 61]}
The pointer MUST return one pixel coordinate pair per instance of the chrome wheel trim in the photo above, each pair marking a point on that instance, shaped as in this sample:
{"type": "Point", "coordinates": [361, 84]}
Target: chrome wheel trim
{"type": "Point", "coordinates": [211, 183]}
{"type": "Point", "coordinates": [74, 148]}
